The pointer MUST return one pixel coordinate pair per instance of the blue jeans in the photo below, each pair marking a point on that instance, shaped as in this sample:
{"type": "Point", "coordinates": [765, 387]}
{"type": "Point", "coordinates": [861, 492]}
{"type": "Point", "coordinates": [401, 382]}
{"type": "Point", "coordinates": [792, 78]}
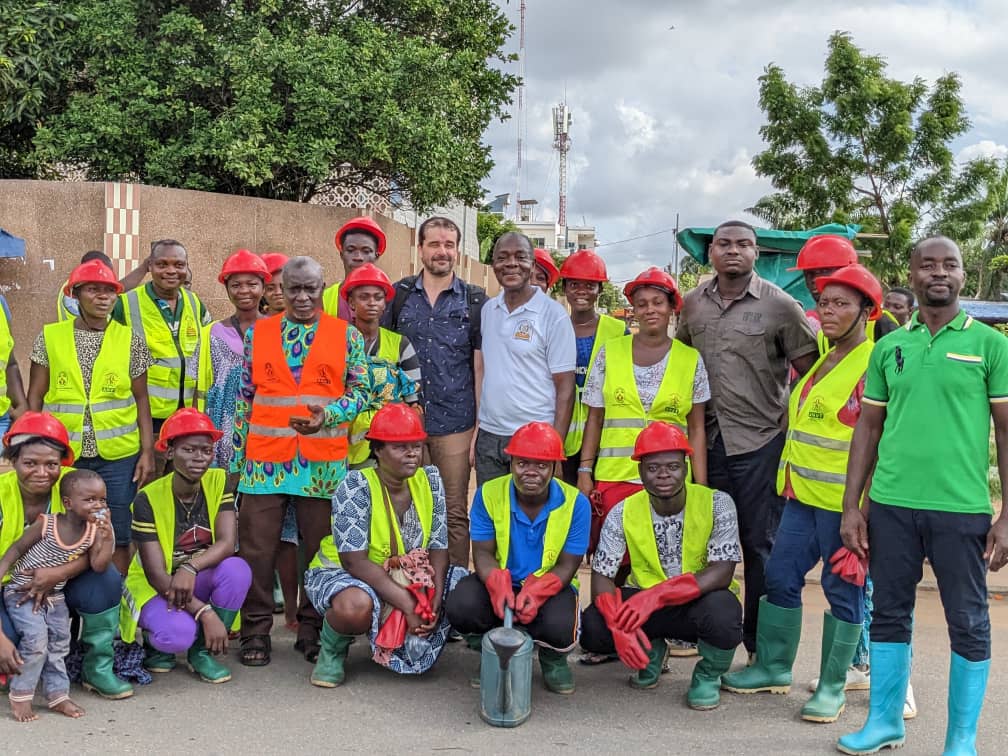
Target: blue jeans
{"type": "Point", "coordinates": [5, 423]}
{"type": "Point", "coordinates": [806, 535]}
{"type": "Point", "coordinates": [120, 490]}
{"type": "Point", "coordinates": [44, 642]}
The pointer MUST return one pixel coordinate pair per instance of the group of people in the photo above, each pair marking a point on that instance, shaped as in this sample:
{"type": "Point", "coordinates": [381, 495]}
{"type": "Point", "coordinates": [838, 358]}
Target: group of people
{"type": "Point", "coordinates": [345, 421]}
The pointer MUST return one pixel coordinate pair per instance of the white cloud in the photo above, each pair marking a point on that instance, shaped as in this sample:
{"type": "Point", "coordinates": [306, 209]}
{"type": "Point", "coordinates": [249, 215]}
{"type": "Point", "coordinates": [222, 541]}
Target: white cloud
{"type": "Point", "coordinates": [982, 149]}
{"type": "Point", "coordinates": [667, 120]}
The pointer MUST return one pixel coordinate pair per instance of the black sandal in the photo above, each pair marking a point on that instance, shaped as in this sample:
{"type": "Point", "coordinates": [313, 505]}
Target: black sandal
{"type": "Point", "coordinates": [256, 650]}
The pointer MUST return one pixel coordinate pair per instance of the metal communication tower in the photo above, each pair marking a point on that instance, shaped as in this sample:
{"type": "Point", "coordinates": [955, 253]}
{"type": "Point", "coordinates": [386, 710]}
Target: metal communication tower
{"type": "Point", "coordinates": [521, 111]}
{"type": "Point", "coordinates": [561, 143]}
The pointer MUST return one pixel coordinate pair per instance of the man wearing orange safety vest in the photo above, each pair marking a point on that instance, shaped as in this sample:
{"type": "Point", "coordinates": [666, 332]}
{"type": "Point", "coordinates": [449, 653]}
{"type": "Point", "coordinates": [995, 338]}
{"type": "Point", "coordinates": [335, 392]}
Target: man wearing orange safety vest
{"type": "Point", "coordinates": [304, 378]}
{"type": "Point", "coordinates": [359, 241]}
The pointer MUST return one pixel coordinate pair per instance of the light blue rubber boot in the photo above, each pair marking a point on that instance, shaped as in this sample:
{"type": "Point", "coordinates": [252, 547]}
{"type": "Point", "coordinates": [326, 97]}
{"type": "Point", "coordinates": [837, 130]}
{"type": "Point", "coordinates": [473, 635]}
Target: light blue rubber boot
{"type": "Point", "coordinates": [890, 672]}
{"type": "Point", "coordinates": [967, 684]}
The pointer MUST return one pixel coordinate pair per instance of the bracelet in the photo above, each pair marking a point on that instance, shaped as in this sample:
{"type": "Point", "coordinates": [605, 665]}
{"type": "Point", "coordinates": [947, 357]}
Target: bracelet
{"type": "Point", "coordinates": [200, 611]}
{"type": "Point", "coordinates": [189, 566]}
{"type": "Point", "coordinates": [585, 470]}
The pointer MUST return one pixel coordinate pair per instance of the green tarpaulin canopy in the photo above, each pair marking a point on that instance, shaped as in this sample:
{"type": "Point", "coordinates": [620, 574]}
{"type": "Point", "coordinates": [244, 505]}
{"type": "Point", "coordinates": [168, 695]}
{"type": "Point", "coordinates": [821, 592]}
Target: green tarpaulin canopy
{"type": "Point", "coordinates": [778, 251]}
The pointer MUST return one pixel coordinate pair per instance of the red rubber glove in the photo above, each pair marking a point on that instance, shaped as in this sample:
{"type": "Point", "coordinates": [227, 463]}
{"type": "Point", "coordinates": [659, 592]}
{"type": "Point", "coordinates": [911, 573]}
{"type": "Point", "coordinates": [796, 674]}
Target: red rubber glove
{"type": "Point", "coordinates": [498, 585]}
{"type": "Point", "coordinates": [534, 593]}
{"type": "Point", "coordinates": [631, 648]}
{"type": "Point", "coordinates": [675, 591]}
{"type": "Point", "coordinates": [392, 633]}
{"type": "Point", "coordinates": [423, 608]}
{"type": "Point", "coordinates": [848, 566]}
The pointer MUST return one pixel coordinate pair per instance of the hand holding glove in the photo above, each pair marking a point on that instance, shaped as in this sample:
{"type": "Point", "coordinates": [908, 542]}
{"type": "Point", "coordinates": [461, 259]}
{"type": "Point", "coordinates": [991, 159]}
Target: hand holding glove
{"type": "Point", "coordinates": [849, 567]}
{"type": "Point", "coordinates": [534, 593]}
{"type": "Point", "coordinates": [499, 586]}
{"type": "Point", "coordinates": [632, 647]}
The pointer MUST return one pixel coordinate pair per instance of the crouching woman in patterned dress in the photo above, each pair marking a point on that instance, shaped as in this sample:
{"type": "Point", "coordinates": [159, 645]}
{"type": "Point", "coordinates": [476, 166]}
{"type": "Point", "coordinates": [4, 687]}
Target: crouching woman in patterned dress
{"type": "Point", "coordinates": [384, 570]}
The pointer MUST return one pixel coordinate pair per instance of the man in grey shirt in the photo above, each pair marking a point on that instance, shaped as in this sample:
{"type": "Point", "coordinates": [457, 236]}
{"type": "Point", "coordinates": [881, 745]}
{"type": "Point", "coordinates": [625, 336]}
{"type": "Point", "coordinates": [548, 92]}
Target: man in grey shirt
{"type": "Point", "coordinates": [749, 332]}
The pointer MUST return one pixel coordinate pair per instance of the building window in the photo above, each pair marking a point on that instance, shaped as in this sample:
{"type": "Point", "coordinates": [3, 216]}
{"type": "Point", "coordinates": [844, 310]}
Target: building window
{"type": "Point", "coordinates": [539, 241]}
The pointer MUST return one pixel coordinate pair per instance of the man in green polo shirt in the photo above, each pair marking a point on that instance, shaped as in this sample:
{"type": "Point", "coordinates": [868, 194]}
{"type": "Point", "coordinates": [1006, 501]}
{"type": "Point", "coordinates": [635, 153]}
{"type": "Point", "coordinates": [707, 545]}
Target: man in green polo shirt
{"type": "Point", "coordinates": [169, 318]}
{"type": "Point", "coordinates": [931, 390]}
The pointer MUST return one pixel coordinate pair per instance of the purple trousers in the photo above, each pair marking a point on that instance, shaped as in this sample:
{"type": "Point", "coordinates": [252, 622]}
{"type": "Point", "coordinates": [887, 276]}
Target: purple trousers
{"type": "Point", "coordinates": [173, 631]}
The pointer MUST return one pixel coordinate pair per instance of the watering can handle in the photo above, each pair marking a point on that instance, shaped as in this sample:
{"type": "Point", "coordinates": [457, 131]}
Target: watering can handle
{"type": "Point", "coordinates": [508, 618]}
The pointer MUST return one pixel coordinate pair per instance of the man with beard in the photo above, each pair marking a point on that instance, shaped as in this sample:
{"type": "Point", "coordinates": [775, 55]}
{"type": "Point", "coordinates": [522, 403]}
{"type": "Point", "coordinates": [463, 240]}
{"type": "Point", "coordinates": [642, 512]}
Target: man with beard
{"type": "Point", "coordinates": [440, 315]}
{"type": "Point", "coordinates": [931, 390]}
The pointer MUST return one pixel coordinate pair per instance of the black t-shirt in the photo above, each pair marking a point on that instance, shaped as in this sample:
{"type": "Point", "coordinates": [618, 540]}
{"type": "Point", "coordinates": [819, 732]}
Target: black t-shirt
{"type": "Point", "coordinates": [192, 525]}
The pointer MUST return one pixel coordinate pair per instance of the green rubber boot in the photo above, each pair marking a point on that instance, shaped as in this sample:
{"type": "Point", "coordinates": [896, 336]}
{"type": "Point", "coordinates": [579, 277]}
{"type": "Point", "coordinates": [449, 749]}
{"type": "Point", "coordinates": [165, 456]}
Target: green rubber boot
{"type": "Point", "coordinates": [557, 675]}
{"type": "Point", "coordinates": [647, 678]}
{"type": "Point", "coordinates": [97, 634]}
{"type": "Point", "coordinates": [839, 642]}
{"type": "Point", "coordinates": [777, 634]}
{"type": "Point", "coordinates": [328, 671]}
{"type": "Point", "coordinates": [705, 687]}
{"type": "Point", "coordinates": [156, 661]}
{"type": "Point", "coordinates": [201, 661]}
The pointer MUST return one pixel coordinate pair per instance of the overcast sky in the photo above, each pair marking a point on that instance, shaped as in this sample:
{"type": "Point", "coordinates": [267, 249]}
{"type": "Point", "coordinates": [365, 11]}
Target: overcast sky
{"type": "Point", "coordinates": [666, 119]}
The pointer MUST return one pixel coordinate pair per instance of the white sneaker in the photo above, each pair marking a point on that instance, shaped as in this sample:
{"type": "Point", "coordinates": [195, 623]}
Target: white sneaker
{"type": "Point", "coordinates": [910, 705]}
{"type": "Point", "coordinates": [856, 680]}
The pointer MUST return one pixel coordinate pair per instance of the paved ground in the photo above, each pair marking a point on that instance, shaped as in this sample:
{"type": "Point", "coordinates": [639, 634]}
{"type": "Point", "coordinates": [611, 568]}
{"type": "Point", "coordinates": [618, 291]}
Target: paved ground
{"type": "Point", "coordinates": [274, 710]}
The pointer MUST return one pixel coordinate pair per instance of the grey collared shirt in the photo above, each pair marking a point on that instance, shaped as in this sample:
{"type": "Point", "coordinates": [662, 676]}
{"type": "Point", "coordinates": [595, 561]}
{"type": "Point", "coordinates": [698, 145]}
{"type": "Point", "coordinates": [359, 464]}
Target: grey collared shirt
{"type": "Point", "coordinates": [747, 345]}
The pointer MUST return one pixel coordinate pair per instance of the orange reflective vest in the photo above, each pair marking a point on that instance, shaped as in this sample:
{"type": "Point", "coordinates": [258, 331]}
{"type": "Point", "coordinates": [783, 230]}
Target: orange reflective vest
{"type": "Point", "coordinates": [279, 397]}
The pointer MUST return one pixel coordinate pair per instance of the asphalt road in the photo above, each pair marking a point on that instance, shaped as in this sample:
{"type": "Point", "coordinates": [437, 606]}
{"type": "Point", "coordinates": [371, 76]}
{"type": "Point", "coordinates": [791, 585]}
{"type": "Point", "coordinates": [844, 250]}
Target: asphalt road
{"type": "Point", "coordinates": [274, 709]}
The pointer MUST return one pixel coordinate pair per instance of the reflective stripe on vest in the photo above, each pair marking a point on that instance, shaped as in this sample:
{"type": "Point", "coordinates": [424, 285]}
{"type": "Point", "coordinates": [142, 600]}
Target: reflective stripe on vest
{"type": "Point", "coordinates": [137, 591]}
{"type": "Point", "coordinates": [380, 537]}
{"type": "Point", "coordinates": [497, 500]}
{"type": "Point", "coordinates": [278, 397]}
{"type": "Point", "coordinates": [642, 546]}
{"type": "Point", "coordinates": [624, 413]}
{"type": "Point", "coordinates": [204, 372]}
{"type": "Point", "coordinates": [389, 344]}
{"type": "Point", "coordinates": [817, 443]}
{"type": "Point", "coordinates": [607, 329]}
{"type": "Point", "coordinates": [110, 399]}
{"type": "Point", "coordinates": [330, 300]}
{"type": "Point", "coordinates": [6, 347]}
{"type": "Point", "coordinates": [165, 376]}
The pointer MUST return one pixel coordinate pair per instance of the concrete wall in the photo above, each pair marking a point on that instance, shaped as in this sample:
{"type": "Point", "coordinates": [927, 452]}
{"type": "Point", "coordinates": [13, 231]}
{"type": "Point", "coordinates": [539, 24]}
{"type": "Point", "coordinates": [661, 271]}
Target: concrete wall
{"type": "Point", "coordinates": [60, 221]}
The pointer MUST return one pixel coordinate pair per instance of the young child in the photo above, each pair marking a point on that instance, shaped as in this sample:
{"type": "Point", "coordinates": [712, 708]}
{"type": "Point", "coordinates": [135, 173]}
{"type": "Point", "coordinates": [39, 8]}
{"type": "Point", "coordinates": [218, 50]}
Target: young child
{"type": "Point", "coordinates": [44, 629]}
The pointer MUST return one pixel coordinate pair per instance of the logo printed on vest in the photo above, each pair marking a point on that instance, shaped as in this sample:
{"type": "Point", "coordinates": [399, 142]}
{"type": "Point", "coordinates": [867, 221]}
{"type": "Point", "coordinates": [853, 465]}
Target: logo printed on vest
{"type": "Point", "coordinates": [674, 405]}
{"type": "Point", "coordinates": [620, 395]}
{"type": "Point", "coordinates": [62, 380]}
{"type": "Point", "coordinates": [110, 383]}
{"type": "Point", "coordinates": [818, 409]}
{"type": "Point", "coordinates": [323, 376]}
{"type": "Point", "coordinates": [550, 555]}
{"type": "Point", "coordinates": [191, 331]}
{"type": "Point", "coordinates": [270, 372]}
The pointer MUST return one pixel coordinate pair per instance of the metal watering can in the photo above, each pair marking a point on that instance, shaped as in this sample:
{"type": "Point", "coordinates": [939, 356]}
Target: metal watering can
{"type": "Point", "coordinates": [506, 675]}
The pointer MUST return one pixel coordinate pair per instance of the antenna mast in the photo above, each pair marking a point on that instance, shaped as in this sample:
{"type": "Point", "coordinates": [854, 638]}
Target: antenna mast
{"type": "Point", "coordinates": [521, 111]}
{"type": "Point", "coordinates": [561, 143]}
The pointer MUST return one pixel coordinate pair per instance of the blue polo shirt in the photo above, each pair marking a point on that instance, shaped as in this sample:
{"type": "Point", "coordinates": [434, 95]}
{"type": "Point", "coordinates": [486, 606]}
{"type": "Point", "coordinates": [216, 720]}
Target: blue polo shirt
{"type": "Point", "coordinates": [526, 548]}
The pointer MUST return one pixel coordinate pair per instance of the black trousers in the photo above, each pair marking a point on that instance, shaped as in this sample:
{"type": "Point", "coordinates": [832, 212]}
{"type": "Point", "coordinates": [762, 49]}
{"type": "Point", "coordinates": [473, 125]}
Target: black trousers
{"type": "Point", "coordinates": [899, 538]}
{"type": "Point", "coordinates": [469, 611]}
{"type": "Point", "coordinates": [714, 618]}
{"type": "Point", "coordinates": [751, 480]}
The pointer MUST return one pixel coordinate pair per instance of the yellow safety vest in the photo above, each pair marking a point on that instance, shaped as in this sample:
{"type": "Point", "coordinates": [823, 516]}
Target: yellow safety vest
{"type": "Point", "coordinates": [607, 329]}
{"type": "Point", "coordinates": [380, 539]}
{"type": "Point", "coordinates": [331, 299]}
{"type": "Point", "coordinates": [817, 443]}
{"type": "Point", "coordinates": [823, 342]}
{"type": "Point", "coordinates": [389, 343]}
{"type": "Point", "coordinates": [137, 591]}
{"type": "Point", "coordinates": [6, 347]}
{"type": "Point", "coordinates": [624, 413]}
{"type": "Point", "coordinates": [166, 374]}
{"type": "Point", "coordinates": [497, 500]}
{"type": "Point", "coordinates": [204, 373]}
{"type": "Point", "coordinates": [113, 407]}
{"type": "Point", "coordinates": [12, 522]}
{"type": "Point", "coordinates": [642, 545]}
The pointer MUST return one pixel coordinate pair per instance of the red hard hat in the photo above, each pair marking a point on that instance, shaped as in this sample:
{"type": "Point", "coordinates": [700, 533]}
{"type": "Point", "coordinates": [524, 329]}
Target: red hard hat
{"type": "Point", "coordinates": [583, 265]}
{"type": "Point", "coordinates": [40, 425]}
{"type": "Point", "coordinates": [658, 279]}
{"type": "Point", "coordinates": [187, 421]}
{"type": "Point", "coordinates": [274, 261]}
{"type": "Point", "coordinates": [545, 261]}
{"type": "Point", "coordinates": [826, 251]}
{"type": "Point", "coordinates": [244, 261]}
{"type": "Point", "coordinates": [536, 441]}
{"type": "Point", "coordinates": [856, 277]}
{"type": "Point", "coordinates": [367, 274]}
{"type": "Point", "coordinates": [93, 271]}
{"type": "Point", "coordinates": [659, 437]}
{"type": "Point", "coordinates": [361, 223]}
{"type": "Point", "coordinates": [396, 423]}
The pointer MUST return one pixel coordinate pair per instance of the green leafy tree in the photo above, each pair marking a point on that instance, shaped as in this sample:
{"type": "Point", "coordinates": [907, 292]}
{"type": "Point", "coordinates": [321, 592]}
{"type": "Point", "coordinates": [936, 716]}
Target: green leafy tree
{"type": "Point", "coordinates": [284, 99]}
{"type": "Point", "coordinates": [861, 147]}
{"type": "Point", "coordinates": [34, 59]}
{"type": "Point", "coordinates": [489, 228]}
{"type": "Point", "coordinates": [974, 212]}
{"type": "Point", "coordinates": [610, 298]}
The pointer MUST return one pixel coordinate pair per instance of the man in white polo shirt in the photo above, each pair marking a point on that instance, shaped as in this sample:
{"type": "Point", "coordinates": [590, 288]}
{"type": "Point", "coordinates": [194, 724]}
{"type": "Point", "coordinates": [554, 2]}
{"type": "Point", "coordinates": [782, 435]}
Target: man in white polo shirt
{"type": "Point", "coordinates": [528, 356]}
